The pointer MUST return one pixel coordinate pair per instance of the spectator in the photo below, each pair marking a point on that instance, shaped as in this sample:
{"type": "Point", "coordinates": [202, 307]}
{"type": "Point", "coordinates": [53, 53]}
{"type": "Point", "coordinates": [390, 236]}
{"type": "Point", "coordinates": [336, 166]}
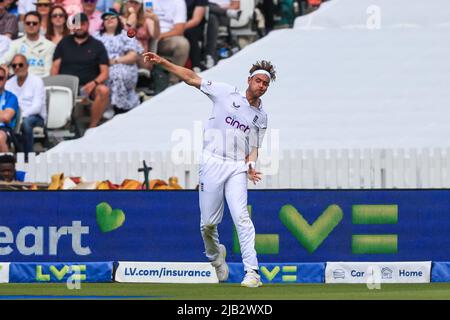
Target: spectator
{"type": "Point", "coordinates": [8, 22]}
{"type": "Point", "coordinates": [72, 7]}
{"type": "Point", "coordinates": [172, 43]}
{"type": "Point", "coordinates": [5, 42]}
{"type": "Point", "coordinates": [57, 24]}
{"type": "Point", "coordinates": [145, 23]}
{"type": "Point", "coordinates": [94, 16]}
{"type": "Point", "coordinates": [105, 5]}
{"type": "Point", "coordinates": [43, 8]}
{"type": "Point", "coordinates": [11, 7]}
{"type": "Point", "coordinates": [195, 25]}
{"type": "Point", "coordinates": [30, 92]}
{"type": "Point", "coordinates": [220, 13]}
{"type": "Point", "coordinates": [8, 111]}
{"type": "Point", "coordinates": [24, 7]}
{"type": "Point", "coordinates": [35, 47]}
{"type": "Point", "coordinates": [123, 53]}
{"type": "Point", "coordinates": [83, 56]}
{"type": "Point", "coordinates": [8, 167]}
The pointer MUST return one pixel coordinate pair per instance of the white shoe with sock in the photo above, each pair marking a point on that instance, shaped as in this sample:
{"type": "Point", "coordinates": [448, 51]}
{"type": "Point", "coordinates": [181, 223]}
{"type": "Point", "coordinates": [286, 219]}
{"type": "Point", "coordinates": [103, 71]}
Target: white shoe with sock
{"type": "Point", "coordinates": [251, 280]}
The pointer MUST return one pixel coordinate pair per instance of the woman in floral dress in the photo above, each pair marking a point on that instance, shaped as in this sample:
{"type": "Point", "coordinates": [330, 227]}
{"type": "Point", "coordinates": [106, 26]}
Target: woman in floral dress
{"type": "Point", "coordinates": [123, 55]}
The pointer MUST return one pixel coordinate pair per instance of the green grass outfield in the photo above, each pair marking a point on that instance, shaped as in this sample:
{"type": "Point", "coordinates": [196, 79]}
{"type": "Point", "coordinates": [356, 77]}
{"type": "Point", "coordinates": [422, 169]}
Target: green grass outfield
{"type": "Point", "coordinates": [433, 291]}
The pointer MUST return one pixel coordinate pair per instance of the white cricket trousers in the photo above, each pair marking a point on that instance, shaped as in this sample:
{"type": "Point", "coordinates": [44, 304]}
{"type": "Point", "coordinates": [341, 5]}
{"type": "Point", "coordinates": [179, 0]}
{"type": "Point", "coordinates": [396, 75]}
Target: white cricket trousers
{"type": "Point", "coordinates": [218, 179]}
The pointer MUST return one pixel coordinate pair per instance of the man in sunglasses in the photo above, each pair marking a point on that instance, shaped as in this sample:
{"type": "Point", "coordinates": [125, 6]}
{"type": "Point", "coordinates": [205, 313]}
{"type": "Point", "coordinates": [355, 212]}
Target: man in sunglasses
{"type": "Point", "coordinates": [34, 46]}
{"type": "Point", "coordinates": [30, 92]}
{"type": "Point", "coordinates": [8, 22]}
{"type": "Point", "coordinates": [84, 56]}
{"type": "Point", "coordinates": [8, 110]}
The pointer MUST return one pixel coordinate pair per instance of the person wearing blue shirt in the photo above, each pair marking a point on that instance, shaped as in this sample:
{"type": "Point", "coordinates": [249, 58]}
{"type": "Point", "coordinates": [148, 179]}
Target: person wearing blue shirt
{"type": "Point", "coordinates": [9, 107]}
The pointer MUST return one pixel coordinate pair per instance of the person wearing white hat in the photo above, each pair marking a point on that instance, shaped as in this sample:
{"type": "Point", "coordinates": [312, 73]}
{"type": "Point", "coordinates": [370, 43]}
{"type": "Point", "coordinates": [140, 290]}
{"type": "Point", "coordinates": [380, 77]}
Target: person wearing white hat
{"type": "Point", "coordinates": [232, 136]}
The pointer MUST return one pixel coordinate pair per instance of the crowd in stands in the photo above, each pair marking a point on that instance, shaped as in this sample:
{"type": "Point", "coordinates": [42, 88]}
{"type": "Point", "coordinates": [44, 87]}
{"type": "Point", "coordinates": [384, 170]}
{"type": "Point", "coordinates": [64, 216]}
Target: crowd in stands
{"type": "Point", "coordinates": [90, 39]}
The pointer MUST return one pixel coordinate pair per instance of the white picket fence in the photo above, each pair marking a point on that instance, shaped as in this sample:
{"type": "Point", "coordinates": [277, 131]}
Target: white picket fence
{"type": "Point", "coordinates": [303, 169]}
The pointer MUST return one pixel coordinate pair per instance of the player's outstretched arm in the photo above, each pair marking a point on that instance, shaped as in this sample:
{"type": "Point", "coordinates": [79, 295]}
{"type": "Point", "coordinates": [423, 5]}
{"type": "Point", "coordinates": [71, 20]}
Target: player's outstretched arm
{"type": "Point", "coordinates": [187, 75]}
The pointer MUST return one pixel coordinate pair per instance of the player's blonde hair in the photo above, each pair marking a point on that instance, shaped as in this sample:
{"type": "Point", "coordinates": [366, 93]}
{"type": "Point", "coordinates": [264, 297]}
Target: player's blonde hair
{"type": "Point", "coordinates": [265, 65]}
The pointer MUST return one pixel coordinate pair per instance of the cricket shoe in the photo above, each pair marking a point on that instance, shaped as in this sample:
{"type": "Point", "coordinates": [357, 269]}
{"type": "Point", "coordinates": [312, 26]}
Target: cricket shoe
{"type": "Point", "coordinates": [251, 280]}
{"type": "Point", "coordinates": [220, 264]}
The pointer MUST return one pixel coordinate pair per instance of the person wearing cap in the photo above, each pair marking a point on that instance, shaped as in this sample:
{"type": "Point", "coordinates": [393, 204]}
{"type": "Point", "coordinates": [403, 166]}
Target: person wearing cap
{"type": "Point", "coordinates": [123, 53]}
{"type": "Point", "coordinates": [43, 7]}
{"type": "Point", "coordinates": [8, 22]}
{"type": "Point", "coordinates": [34, 46]}
{"type": "Point", "coordinates": [146, 24]}
{"type": "Point", "coordinates": [82, 55]}
{"type": "Point", "coordinates": [232, 136]}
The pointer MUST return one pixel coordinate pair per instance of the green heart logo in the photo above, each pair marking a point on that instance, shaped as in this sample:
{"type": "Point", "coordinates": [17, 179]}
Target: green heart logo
{"type": "Point", "coordinates": [310, 236]}
{"type": "Point", "coordinates": [109, 219]}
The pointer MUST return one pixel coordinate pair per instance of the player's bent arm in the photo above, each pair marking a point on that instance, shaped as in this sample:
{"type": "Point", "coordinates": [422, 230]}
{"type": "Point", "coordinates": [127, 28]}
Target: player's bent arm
{"type": "Point", "coordinates": [185, 74]}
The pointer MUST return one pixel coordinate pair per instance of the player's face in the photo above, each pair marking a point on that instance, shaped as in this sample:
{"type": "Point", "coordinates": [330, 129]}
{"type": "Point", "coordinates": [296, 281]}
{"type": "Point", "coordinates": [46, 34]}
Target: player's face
{"type": "Point", "coordinates": [258, 84]}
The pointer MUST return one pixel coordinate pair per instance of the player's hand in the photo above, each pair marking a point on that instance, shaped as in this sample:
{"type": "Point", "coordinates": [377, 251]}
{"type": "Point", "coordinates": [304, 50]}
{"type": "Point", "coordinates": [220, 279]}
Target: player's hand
{"type": "Point", "coordinates": [151, 57]}
{"type": "Point", "coordinates": [253, 175]}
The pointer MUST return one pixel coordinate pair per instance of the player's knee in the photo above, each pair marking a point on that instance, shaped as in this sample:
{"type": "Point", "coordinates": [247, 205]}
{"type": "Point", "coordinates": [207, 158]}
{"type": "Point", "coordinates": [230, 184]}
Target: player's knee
{"type": "Point", "coordinates": [208, 227]}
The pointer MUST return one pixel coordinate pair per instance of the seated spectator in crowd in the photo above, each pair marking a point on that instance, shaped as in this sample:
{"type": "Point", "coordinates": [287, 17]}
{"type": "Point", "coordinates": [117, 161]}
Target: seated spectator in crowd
{"type": "Point", "coordinates": [83, 56]}
{"type": "Point", "coordinates": [25, 6]}
{"type": "Point", "coordinates": [172, 43]}
{"type": "Point", "coordinates": [57, 24]}
{"type": "Point", "coordinates": [146, 24]}
{"type": "Point", "coordinates": [105, 5]}
{"type": "Point", "coordinates": [72, 7]}
{"type": "Point", "coordinates": [43, 8]}
{"type": "Point", "coordinates": [8, 111]}
{"type": "Point", "coordinates": [5, 42]}
{"type": "Point", "coordinates": [123, 53]}
{"type": "Point", "coordinates": [220, 13]}
{"type": "Point", "coordinates": [194, 28]}
{"type": "Point", "coordinates": [8, 22]}
{"type": "Point", "coordinates": [37, 49]}
{"type": "Point", "coordinates": [30, 91]}
{"type": "Point", "coordinates": [11, 7]}
{"type": "Point", "coordinates": [94, 16]}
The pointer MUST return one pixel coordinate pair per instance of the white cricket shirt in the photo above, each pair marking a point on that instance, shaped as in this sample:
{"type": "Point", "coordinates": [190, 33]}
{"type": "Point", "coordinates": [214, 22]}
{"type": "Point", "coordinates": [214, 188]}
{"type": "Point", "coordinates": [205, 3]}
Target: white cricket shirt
{"type": "Point", "coordinates": [234, 127]}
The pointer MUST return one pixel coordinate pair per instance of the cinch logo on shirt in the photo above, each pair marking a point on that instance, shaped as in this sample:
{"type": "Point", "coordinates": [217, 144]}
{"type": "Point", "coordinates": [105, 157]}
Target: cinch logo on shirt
{"type": "Point", "coordinates": [236, 124]}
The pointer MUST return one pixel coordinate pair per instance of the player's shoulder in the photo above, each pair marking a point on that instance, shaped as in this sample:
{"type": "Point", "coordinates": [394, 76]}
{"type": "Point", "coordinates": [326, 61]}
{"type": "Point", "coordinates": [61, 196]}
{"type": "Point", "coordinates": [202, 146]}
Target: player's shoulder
{"type": "Point", "coordinates": [218, 86]}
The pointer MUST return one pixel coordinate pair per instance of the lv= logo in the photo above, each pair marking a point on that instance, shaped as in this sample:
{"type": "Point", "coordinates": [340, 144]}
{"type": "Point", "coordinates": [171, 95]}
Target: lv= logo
{"type": "Point", "coordinates": [311, 236]}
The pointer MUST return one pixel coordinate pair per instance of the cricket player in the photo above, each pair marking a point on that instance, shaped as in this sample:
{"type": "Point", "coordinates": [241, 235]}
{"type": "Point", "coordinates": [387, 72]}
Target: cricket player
{"type": "Point", "coordinates": [232, 136]}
